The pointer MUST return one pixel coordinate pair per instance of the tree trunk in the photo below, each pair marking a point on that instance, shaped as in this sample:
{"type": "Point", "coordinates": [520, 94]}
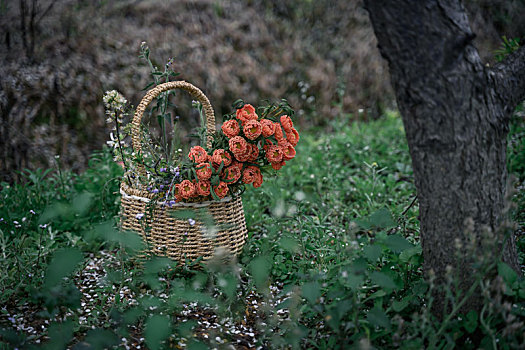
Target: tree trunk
{"type": "Point", "coordinates": [456, 112]}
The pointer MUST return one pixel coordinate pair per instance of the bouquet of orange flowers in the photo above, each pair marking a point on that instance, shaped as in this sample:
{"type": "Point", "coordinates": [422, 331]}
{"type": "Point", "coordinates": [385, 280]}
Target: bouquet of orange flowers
{"type": "Point", "coordinates": [245, 144]}
{"type": "Point", "coordinates": [249, 143]}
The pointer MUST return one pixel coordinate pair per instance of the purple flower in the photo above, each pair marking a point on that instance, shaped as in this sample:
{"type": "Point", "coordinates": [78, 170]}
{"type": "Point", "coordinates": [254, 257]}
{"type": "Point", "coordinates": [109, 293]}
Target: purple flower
{"type": "Point", "coordinates": [191, 222]}
{"type": "Point", "coordinates": [163, 170]}
{"type": "Point", "coordinates": [139, 216]}
{"type": "Point", "coordinates": [172, 202]}
{"type": "Point", "coordinates": [155, 191]}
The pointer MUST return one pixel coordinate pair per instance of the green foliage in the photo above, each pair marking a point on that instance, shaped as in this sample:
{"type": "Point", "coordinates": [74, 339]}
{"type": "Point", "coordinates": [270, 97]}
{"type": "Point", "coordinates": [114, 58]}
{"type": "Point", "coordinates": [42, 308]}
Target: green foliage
{"type": "Point", "coordinates": [333, 243]}
{"type": "Point", "coordinates": [508, 46]}
{"type": "Point", "coordinates": [516, 143]}
{"type": "Point", "coordinates": [51, 210]}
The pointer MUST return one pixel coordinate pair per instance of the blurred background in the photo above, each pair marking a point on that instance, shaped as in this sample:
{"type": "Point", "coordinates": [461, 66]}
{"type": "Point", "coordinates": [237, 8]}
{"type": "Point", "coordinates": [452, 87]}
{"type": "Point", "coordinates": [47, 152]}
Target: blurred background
{"type": "Point", "coordinates": [57, 57]}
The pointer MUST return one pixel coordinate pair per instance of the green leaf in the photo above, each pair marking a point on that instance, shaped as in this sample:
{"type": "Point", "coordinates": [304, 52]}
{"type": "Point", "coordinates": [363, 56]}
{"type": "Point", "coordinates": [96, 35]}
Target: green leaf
{"type": "Point", "coordinates": [410, 252]}
{"type": "Point", "coordinates": [380, 293]}
{"type": "Point", "coordinates": [378, 318]}
{"type": "Point", "coordinates": [358, 266]}
{"type": "Point", "coordinates": [148, 86]}
{"type": "Point", "coordinates": [183, 214]}
{"type": "Point", "coordinates": [400, 305]}
{"type": "Point", "coordinates": [382, 219]}
{"type": "Point", "coordinates": [354, 281]}
{"type": "Point", "coordinates": [128, 239]}
{"type": "Point", "coordinates": [228, 284]}
{"type": "Point", "coordinates": [64, 262]}
{"type": "Point", "coordinates": [260, 270]}
{"type": "Point", "coordinates": [156, 264]}
{"type": "Point", "coordinates": [383, 280]}
{"type": "Point", "coordinates": [311, 291]}
{"type": "Point", "coordinates": [289, 244]}
{"type": "Point", "coordinates": [196, 345]}
{"type": "Point", "coordinates": [185, 329]}
{"type": "Point", "coordinates": [99, 339]}
{"type": "Point", "coordinates": [157, 329]}
{"type": "Point", "coordinates": [471, 321]}
{"type": "Point", "coordinates": [60, 334]}
{"type": "Point", "coordinates": [238, 104]}
{"type": "Point", "coordinates": [397, 244]}
{"type": "Point", "coordinates": [509, 275]}
{"type": "Point", "coordinates": [372, 252]}
{"type": "Point", "coordinates": [132, 315]}
{"type": "Point", "coordinates": [82, 202]}
{"type": "Point", "coordinates": [420, 288]}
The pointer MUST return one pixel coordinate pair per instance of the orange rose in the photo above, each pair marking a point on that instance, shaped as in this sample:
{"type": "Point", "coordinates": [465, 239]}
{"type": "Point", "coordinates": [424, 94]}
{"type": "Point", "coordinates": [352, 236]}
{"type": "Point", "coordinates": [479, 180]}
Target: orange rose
{"type": "Point", "coordinates": [203, 188]}
{"type": "Point", "coordinates": [247, 112]}
{"type": "Point", "coordinates": [177, 192]}
{"type": "Point", "coordinates": [220, 155]}
{"type": "Point", "coordinates": [204, 171]}
{"type": "Point", "coordinates": [237, 165]}
{"type": "Point", "coordinates": [198, 155]}
{"type": "Point", "coordinates": [279, 135]}
{"type": "Point", "coordinates": [254, 154]}
{"type": "Point", "coordinates": [268, 128]}
{"type": "Point", "coordinates": [238, 145]}
{"type": "Point", "coordinates": [274, 154]}
{"type": "Point", "coordinates": [244, 157]}
{"type": "Point", "coordinates": [288, 150]}
{"type": "Point", "coordinates": [221, 190]}
{"type": "Point", "coordinates": [257, 182]}
{"type": "Point", "coordinates": [187, 189]}
{"type": "Point", "coordinates": [195, 193]}
{"type": "Point", "coordinates": [267, 145]}
{"type": "Point", "coordinates": [287, 123]}
{"type": "Point", "coordinates": [249, 174]}
{"type": "Point", "coordinates": [293, 137]}
{"type": "Point", "coordinates": [278, 166]}
{"type": "Point", "coordinates": [252, 129]}
{"type": "Point", "coordinates": [232, 174]}
{"type": "Point", "coordinates": [230, 128]}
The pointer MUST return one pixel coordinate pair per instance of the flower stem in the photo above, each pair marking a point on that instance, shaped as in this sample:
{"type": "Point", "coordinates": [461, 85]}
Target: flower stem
{"type": "Point", "coordinates": [120, 149]}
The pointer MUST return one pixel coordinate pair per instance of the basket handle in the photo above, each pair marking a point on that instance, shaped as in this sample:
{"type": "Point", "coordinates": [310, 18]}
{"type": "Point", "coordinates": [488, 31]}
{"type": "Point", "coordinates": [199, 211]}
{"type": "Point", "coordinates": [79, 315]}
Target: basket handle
{"type": "Point", "coordinates": [156, 91]}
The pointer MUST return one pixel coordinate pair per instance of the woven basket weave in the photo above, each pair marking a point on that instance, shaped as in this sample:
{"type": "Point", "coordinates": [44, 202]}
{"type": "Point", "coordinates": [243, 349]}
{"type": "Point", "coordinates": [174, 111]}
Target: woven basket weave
{"type": "Point", "coordinates": [165, 232]}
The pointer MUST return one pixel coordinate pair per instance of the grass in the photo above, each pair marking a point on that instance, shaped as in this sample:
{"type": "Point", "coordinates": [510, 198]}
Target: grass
{"type": "Point", "coordinates": [333, 260]}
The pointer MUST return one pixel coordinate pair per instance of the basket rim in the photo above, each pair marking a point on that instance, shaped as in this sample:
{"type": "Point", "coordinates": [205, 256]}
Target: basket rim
{"type": "Point", "coordinates": [146, 197]}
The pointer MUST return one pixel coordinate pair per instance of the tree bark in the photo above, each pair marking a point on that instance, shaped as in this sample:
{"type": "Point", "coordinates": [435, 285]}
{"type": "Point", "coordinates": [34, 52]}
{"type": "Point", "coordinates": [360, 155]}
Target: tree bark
{"type": "Point", "coordinates": [455, 111]}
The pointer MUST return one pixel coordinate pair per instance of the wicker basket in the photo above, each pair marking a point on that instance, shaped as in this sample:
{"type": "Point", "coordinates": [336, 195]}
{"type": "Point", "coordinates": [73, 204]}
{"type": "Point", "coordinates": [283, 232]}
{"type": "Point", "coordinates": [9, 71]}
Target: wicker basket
{"type": "Point", "coordinates": [162, 227]}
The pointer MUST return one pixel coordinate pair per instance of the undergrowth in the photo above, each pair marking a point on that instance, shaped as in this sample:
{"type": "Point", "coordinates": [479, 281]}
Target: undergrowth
{"type": "Point", "coordinates": [337, 232]}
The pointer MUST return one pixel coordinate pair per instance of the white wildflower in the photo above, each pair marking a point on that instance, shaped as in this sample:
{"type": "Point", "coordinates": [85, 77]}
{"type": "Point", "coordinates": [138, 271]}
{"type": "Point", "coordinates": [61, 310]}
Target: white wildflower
{"type": "Point", "coordinates": [113, 142]}
{"type": "Point", "coordinates": [114, 101]}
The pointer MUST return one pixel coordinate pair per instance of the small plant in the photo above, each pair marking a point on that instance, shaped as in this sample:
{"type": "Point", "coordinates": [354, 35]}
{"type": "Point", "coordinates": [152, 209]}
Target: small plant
{"type": "Point", "coordinates": [507, 47]}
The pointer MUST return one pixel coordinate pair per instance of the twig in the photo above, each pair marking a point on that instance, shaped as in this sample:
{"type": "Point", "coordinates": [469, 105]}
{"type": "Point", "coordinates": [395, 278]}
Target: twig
{"type": "Point", "coordinates": [46, 11]}
{"type": "Point", "coordinates": [410, 206]}
{"type": "Point", "coordinates": [120, 149]}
